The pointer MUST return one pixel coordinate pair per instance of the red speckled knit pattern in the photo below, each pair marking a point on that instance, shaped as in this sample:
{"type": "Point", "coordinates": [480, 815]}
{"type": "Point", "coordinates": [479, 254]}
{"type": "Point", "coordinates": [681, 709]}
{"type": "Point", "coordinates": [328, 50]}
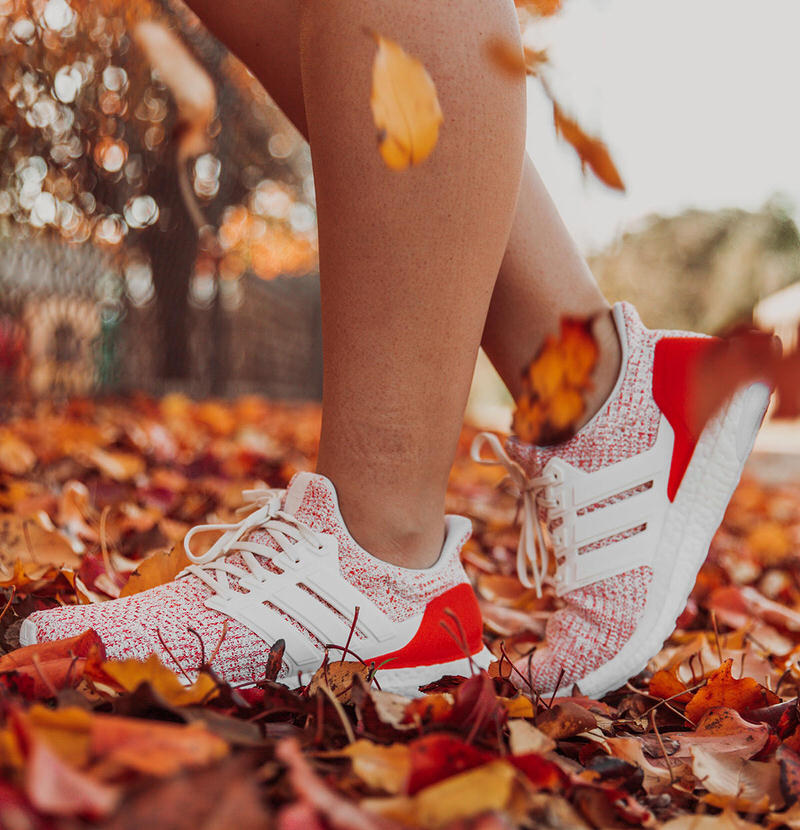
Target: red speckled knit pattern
{"type": "Point", "coordinates": [130, 626]}
{"type": "Point", "coordinates": [400, 593]}
{"type": "Point", "coordinates": [597, 621]}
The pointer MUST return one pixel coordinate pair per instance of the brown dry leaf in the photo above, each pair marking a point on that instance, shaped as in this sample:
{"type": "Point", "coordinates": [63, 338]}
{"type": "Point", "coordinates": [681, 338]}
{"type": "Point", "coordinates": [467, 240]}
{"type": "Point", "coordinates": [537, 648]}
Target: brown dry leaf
{"type": "Point", "coordinates": [130, 674]}
{"type": "Point", "coordinates": [340, 813]}
{"type": "Point", "coordinates": [157, 569]}
{"type": "Point", "coordinates": [565, 719]}
{"type": "Point", "coordinates": [119, 466]}
{"type": "Point", "coordinates": [34, 540]}
{"type": "Point", "coordinates": [16, 456]}
{"type": "Point", "coordinates": [339, 676]}
{"type": "Point", "coordinates": [734, 782]}
{"type": "Point", "coordinates": [524, 737]}
{"type": "Point", "coordinates": [723, 732]}
{"type": "Point", "coordinates": [726, 820]}
{"type": "Point", "coordinates": [405, 106]}
{"type": "Point", "coordinates": [75, 512]}
{"type": "Point", "coordinates": [553, 388]}
{"type": "Point", "coordinates": [657, 778]}
{"type": "Point", "coordinates": [591, 151]}
{"type": "Point", "coordinates": [722, 690]}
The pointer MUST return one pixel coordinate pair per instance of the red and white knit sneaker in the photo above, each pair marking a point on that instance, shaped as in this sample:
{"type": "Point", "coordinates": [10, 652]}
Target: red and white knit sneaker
{"type": "Point", "coordinates": [630, 503]}
{"type": "Point", "coordinates": [290, 570]}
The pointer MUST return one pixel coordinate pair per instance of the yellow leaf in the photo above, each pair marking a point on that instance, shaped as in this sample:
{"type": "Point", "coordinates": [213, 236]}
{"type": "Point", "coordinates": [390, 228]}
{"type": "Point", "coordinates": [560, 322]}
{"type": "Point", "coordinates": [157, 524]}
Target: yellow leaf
{"type": "Point", "coordinates": [480, 790]}
{"type": "Point", "coordinates": [130, 674]}
{"type": "Point", "coordinates": [405, 106]}
{"type": "Point", "coordinates": [380, 767]}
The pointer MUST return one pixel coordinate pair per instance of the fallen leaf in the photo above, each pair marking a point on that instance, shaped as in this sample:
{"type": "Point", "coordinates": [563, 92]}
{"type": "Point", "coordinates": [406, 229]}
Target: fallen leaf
{"type": "Point", "coordinates": [565, 719]}
{"type": "Point", "coordinates": [130, 674]}
{"type": "Point", "coordinates": [524, 738]}
{"type": "Point", "coordinates": [156, 570]}
{"type": "Point", "coordinates": [723, 690]}
{"type": "Point", "coordinates": [338, 676]}
{"type": "Point", "coordinates": [731, 781]}
{"type": "Point", "coordinates": [380, 767]}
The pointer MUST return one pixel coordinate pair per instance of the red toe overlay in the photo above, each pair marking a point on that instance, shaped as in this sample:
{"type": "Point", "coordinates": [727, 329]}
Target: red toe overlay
{"type": "Point", "coordinates": [674, 365]}
{"type": "Point", "coordinates": [433, 643]}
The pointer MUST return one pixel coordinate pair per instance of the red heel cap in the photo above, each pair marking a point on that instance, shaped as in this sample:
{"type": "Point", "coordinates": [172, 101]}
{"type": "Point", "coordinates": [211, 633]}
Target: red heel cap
{"type": "Point", "coordinates": [432, 643]}
{"type": "Point", "coordinates": [674, 376]}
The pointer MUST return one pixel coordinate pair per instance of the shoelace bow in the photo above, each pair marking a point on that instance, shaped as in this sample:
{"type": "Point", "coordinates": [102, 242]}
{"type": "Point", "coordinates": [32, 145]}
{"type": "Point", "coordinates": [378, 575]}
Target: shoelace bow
{"type": "Point", "coordinates": [532, 551]}
{"type": "Point", "coordinates": [266, 515]}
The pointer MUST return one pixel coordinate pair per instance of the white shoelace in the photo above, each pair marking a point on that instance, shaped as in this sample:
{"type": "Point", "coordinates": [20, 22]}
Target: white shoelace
{"type": "Point", "coordinates": [532, 552]}
{"type": "Point", "coordinates": [285, 529]}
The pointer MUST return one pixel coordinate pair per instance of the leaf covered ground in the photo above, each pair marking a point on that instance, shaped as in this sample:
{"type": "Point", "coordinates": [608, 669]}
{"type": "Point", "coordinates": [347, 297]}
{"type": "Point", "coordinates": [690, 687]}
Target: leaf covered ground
{"type": "Point", "coordinates": [94, 494]}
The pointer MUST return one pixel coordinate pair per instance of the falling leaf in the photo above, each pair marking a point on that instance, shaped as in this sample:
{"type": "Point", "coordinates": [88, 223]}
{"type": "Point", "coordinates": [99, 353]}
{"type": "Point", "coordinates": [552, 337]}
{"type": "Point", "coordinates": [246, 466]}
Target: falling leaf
{"type": "Point", "coordinates": [545, 8]}
{"type": "Point", "coordinates": [591, 151]}
{"type": "Point", "coordinates": [552, 399]}
{"type": "Point", "coordinates": [507, 56]}
{"type": "Point", "coordinates": [405, 106]}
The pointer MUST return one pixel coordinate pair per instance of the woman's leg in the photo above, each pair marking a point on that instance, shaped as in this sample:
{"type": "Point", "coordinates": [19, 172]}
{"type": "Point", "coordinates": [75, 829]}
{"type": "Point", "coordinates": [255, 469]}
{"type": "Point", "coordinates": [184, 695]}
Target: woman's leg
{"type": "Point", "coordinates": [408, 260]}
{"type": "Point", "coordinates": [542, 276]}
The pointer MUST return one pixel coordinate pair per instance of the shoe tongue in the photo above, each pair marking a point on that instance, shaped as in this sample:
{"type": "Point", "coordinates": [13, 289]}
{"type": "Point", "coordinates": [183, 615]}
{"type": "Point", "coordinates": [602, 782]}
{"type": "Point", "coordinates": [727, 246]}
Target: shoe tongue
{"type": "Point", "coordinates": [312, 499]}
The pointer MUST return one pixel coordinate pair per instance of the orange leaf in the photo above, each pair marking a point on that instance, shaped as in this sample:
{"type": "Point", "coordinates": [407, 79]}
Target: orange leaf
{"type": "Point", "coordinates": [723, 690]}
{"type": "Point", "coordinates": [591, 151]}
{"type": "Point", "coordinates": [130, 674]}
{"type": "Point", "coordinates": [506, 56]}
{"type": "Point", "coordinates": [552, 402]}
{"type": "Point", "coordinates": [543, 8]}
{"type": "Point", "coordinates": [666, 685]}
{"type": "Point", "coordinates": [156, 570]}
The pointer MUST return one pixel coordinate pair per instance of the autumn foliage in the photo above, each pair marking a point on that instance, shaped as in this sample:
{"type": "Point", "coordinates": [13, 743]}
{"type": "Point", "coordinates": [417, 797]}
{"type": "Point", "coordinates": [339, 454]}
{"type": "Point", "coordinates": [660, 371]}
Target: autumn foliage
{"type": "Point", "coordinates": [94, 496]}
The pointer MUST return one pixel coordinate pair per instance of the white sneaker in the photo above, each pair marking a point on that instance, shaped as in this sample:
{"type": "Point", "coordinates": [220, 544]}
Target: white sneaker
{"type": "Point", "coordinates": [630, 504]}
{"type": "Point", "coordinates": [290, 570]}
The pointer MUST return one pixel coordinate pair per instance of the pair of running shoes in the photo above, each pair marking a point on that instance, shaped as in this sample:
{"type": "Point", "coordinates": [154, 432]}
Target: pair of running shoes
{"type": "Point", "coordinates": [630, 504]}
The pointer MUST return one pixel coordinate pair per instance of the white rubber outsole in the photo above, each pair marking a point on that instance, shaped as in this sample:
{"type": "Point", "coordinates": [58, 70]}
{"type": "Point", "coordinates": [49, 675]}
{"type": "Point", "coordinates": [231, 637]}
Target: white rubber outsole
{"type": "Point", "coordinates": [27, 634]}
{"type": "Point", "coordinates": [406, 682]}
{"type": "Point", "coordinates": [399, 681]}
{"type": "Point", "coordinates": [690, 524]}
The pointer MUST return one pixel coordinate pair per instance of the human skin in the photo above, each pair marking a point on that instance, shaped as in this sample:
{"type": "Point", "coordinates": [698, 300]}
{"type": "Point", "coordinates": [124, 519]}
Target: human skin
{"type": "Point", "coordinates": [417, 268]}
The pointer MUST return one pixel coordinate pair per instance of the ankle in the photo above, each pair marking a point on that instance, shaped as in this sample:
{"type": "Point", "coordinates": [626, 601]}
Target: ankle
{"type": "Point", "coordinates": [397, 533]}
{"type": "Point", "coordinates": [609, 364]}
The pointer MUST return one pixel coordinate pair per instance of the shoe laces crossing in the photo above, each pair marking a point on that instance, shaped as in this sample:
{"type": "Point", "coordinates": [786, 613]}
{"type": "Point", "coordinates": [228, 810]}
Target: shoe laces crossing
{"type": "Point", "coordinates": [292, 537]}
{"type": "Point", "coordinates": [532, 552]}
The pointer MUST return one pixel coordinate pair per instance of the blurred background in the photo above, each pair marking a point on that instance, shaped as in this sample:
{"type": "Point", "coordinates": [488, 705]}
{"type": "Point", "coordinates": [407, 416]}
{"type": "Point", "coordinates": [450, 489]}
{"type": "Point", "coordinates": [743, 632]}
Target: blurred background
{"type": "Point", "coordinates": [157, 222]}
